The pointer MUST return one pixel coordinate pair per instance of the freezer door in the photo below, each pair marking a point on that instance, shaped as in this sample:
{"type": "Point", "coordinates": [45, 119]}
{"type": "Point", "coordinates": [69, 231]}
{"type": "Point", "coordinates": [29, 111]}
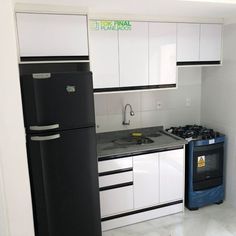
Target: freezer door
{"type": "Point", "coordinates": [57, 101]}
{"type": "Point", "coordinates": [64, 183]}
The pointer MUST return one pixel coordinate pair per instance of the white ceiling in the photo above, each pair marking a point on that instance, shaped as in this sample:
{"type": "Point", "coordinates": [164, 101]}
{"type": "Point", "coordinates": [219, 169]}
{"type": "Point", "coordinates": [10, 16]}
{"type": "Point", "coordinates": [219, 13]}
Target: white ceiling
{"type": "Point", "coordinates": [178, 8]}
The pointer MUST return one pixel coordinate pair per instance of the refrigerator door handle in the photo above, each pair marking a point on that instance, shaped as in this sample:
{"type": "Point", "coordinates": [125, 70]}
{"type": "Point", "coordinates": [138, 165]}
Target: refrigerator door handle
{"type": "Point", "coordinates": [46, 127]}
{"type": "Point", "coordinates": [45, 138]}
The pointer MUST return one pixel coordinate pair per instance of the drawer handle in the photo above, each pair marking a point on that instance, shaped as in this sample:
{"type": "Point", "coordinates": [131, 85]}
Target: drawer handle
{"type": "Point", "coordinates": [113, 172]}
{"type": "Point", "coordinates": [116, 186]}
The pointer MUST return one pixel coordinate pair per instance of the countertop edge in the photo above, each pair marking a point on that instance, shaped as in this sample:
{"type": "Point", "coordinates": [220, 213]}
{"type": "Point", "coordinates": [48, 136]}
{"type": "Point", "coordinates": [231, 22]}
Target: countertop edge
{"type": "Point", "coordinates": [141, 152]}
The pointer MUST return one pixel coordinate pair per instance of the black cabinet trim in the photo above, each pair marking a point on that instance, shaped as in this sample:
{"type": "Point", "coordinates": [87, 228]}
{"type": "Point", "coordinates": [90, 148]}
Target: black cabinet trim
{"type": "Point", "coordinates": [112, 172]}
{"type": "Point", "coordinates": [116, 186]}
{"type": "Point", "coordinates": [117, 156]}
{"type": "Point", "coordinates": [116, 89]}
{"type": "Point", "coordinates": [55, 58]}
{"type": "Point", "coordinates": [141, 210]}
{"type": "Point", "coordinates": [194, 63]}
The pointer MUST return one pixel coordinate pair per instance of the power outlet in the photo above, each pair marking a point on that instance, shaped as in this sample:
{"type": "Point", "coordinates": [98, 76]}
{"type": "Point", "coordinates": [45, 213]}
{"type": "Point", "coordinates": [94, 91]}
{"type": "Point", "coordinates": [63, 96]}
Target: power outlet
{"type": "Point", "coordinates": [188, 102]}
{"type": "Point", "coordinates": [159, 105]}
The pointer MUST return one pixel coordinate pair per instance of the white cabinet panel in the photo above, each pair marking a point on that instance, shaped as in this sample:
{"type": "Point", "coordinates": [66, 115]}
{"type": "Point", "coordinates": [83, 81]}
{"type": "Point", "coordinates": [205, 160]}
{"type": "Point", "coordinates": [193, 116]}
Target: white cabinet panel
{"type": "Point", "coordinates": [162, 53]}
{"type": "Point", "coordinates": [188, 40]}
{"type": "Point", "coordinates": [114, 179]}
{"type": "Point", "coordinates": [104, 58]}
{"type": "Point", "coordinates": [52, 35]}
{"type": "Point", "coordinates": [210, 42]}
{"type": "Point", "coordinates": [133, 51]}
{"type": "Point", "coordinates": [116, 201]}
{"type": "Point", "coordinates": [171, 175]}
{"type": "Point", "coordinates": [146, 180]}
{"type": "Point", "coordinates": [115, 164]}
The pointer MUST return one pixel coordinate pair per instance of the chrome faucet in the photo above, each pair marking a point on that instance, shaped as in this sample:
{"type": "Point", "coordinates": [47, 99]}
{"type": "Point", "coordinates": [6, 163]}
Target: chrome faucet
{"type": "Point", "coordinates": [131, 113]}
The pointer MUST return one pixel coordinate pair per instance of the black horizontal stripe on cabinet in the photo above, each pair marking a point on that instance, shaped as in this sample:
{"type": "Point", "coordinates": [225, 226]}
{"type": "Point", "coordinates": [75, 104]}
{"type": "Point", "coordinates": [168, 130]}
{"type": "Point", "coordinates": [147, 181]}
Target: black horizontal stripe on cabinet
{"type": "Point", "coordinates": [116, 186]}
{"type": "Point", "coordinates": [112, 172]}
{"type": "Point", "coordinates": [192, 63]}
{"type": "Point", "coordinates": [141, 210]}
{"type": "Point", "coordinates": [131, 154]}
{"type": "Point", "coordinates": [117, 89]}
{"type": "Point", "coordinates": [55, 58]}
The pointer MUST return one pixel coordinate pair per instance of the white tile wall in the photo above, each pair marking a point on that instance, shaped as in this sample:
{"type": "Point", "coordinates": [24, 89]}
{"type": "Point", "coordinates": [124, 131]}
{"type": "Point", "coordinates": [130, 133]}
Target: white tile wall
{"type": "Point", "coordinates": [109, 107]}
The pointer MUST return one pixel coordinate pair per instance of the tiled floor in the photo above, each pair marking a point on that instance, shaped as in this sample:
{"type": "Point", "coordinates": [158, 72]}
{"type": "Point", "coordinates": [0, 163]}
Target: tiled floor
{"type": "Point", "coordinates": [208, 221]}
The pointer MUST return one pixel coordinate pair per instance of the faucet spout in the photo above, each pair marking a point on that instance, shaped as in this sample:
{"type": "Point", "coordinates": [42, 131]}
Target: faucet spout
{"type": "Point", "coordinates": [125, 122]}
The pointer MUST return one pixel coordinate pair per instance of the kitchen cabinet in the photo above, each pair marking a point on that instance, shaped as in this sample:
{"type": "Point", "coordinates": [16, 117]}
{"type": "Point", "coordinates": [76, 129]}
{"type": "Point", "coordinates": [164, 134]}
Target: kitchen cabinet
{"type": "Point", "coordinates": [116, 186]}
{"type": "Point", "coordinates": [199, 44]}
{"type": "Point", "coordinates": [133, 52]}
{"type": "Point", "coordinates": [52, 35]}
{"type": "Point", "coordinates": [188, 42]}
{"type": "Point", "coordinates": [210, 42]}
{"type": "Point", "coordinates": [141, 187]}
{"type": "Point", "coordinates": [162, 53]}
{"type": "Point", "coordinates": [117, 200]}
{"type": "Point", "coordinates": [171, 175]}
{"type": "Point", "coordinates": [146, 180]}
{"type": "Point", "coordinates": [104, 58]}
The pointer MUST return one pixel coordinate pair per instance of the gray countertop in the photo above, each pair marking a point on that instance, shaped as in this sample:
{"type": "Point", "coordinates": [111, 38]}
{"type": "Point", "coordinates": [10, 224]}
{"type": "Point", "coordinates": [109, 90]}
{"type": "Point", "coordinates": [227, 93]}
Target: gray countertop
{"type": "Point", "coordinates": [162, 140]}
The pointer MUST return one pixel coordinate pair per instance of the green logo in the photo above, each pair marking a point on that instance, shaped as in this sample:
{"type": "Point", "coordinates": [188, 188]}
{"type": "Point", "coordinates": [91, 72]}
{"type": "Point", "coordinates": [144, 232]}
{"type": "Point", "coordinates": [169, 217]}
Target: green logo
{"type": "Point", "coordinates": [110, 25]}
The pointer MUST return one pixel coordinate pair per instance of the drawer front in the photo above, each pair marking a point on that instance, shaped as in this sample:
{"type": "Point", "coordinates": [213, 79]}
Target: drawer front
{"type": "Point", "coordinates": [116, 201]}
{"type": "Point", "coordinates": [120, 178]}
{"type": "Point", "coordinates": [116, 164]}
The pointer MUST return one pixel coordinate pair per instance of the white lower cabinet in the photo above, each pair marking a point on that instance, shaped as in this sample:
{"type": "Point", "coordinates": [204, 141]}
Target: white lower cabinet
{"type": "Point", "coordinates": [115, 201]}
{"type": "Point", "coordinates": [144, 187]}
{"type": "Point", "coordinates": [171, 175]}
{"type": "Point", "coordinates": [146, 180]}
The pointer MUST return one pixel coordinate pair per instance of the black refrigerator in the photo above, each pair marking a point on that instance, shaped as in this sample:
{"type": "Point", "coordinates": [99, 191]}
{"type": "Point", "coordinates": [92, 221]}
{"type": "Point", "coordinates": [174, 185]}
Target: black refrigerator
{"type": "Point", "coordinates": [61, 144]}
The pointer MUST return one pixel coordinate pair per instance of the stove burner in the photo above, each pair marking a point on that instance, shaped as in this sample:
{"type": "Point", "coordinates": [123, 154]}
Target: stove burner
{"type": "Point", "coordinates": [194, 132]}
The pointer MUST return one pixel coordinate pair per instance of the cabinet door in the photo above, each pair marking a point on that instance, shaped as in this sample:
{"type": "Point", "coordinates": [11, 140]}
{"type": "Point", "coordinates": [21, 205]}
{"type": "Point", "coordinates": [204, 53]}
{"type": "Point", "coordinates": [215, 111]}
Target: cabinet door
{"type": "Point", "coordinates": [188, 42]}
{"type": "Point", "coordinates": [210, 42]}
{"type": "Point", "coordinates": [171, 175]}
{"type": "Point", "coordinates": [133, 51]}
{"type": "Point", "coordinates": [115, 201]}
{"type": "Point", "coordinates": [104, 58]}
{"type": "Point", "coordinates": [146, 180]}
{"type": "Point", "coordinates": [162, 53]}
{"type": "Point", "coordinates": [52, 35]}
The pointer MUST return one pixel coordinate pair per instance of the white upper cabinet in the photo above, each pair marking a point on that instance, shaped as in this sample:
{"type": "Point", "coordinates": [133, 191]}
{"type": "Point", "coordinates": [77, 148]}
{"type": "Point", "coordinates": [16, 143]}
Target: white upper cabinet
{"type": "Point", "coordinates": [146, 180]}
{"type": "Point", "coordinates": [104, 58]}
{"type": "Point", "coordinates": [200, 43]}
{"type": "Point", "coordinates": [133, 52]}
{"type": "Point", "coordinates": [162, 53]}
{"type": "Point", "coordinates": [188, 42]}
{"type": "Point", "coordinates": [210, 42]}
{"type": "Point", "coordinates": [42, 35]}
{"type": "Point", "coordinates": [171, 175]}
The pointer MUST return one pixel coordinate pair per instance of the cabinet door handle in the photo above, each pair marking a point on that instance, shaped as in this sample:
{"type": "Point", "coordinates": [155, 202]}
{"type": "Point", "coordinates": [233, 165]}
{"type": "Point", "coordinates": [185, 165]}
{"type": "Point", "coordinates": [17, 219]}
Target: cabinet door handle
{"type": "Point", "coordinates": [45, 138]}
{"type": "Point", "coordinates": [116, 186]}
{"type": "Point", "coordinates": [45, 127]}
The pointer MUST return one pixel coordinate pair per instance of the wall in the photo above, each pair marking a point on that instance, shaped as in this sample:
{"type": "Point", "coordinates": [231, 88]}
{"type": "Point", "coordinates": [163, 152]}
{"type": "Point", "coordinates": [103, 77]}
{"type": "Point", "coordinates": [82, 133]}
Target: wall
{"type": "Point", "coordinates": [13, 161]}
{"type": "Point", "coordinates": [219, 103]}
{"type": "Point", "coordinates": [174, 111]}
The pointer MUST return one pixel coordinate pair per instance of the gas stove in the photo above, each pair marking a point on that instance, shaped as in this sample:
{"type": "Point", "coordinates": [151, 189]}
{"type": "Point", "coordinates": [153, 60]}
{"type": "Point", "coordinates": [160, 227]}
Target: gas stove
{"type": "Point", "coordinates": [204, 161]}
{"type": "Point", "coordinates": [194, 132]}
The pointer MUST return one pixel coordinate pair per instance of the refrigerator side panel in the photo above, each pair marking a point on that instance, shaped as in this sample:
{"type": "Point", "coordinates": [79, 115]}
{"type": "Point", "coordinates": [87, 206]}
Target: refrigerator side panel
{"type": "Point", "coordinates": [66, 192]}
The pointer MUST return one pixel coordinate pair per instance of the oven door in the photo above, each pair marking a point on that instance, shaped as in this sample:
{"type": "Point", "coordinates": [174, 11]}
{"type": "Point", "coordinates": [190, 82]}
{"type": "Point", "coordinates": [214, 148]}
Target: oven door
{"type": "Point", "coordinates": [208, 166]}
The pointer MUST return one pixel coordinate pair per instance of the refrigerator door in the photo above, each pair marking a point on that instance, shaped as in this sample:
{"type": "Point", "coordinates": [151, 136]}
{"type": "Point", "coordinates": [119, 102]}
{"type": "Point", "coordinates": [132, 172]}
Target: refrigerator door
{"type": "Point", "coordinates": [64, 183]}
{"type": "Point", "coordinates": [57, 101]}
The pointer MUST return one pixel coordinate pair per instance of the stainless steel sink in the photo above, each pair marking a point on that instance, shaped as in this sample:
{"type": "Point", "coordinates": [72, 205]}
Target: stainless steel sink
{"type": "Point", "coordinates": [132, 141]}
